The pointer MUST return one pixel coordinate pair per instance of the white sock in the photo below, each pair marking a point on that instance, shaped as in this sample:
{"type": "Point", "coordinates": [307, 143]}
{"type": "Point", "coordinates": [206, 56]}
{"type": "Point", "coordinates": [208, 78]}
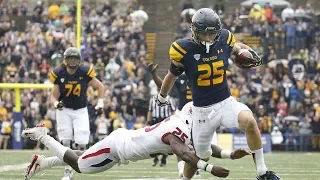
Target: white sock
{"type": "Point", "coordinates": [259, 161]}
{"type": "Point", "coordinates": [180, 165]}
{"type": "Point", "coordinates": [185, 178]}
{"type": "Point", "coordinates": [53, 161]}
{"type": "Point", "coordinates": [58, 149]}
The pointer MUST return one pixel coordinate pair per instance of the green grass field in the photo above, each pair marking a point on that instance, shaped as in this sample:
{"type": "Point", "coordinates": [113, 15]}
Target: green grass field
{"type": "Point", "coordinates": [290, 166]}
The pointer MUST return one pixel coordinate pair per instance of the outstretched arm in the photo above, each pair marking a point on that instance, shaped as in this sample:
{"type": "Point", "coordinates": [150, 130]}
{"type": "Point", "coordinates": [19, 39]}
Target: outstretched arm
{"type": "Point", "coordinates": [218, 152]}
{"type": "Point", "coordinates": [153, 70]}
{"type": "Point", "coordinates": [183, 151]}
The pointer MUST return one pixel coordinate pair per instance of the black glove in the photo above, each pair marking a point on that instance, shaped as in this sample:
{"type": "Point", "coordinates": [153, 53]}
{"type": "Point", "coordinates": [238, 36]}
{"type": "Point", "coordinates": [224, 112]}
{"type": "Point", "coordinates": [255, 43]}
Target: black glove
{"type": "Point", "coordinates": [152, 67]}
{"type": "Point", "coordinates": [59, 105]}
{"type": "Point", "coordinates": [255, 61]}
{"type": "Point", "coordinates": [98, 111]}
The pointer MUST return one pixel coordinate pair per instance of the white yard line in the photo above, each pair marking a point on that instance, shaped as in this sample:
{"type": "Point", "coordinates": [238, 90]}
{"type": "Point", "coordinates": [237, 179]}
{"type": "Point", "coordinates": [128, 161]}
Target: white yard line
{"type": "Point", "coordinates": [13, 167]}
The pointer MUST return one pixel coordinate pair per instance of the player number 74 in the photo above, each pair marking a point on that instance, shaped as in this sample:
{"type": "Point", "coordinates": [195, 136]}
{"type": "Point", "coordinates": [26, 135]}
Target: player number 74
{"type": "Point", "coordinates": [76, 90]}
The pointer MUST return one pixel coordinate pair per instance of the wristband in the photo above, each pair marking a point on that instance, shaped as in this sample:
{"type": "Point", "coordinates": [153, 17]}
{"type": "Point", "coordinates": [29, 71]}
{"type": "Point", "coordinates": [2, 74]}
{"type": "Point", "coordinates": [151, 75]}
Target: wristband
{"type": "Point", "coordinates": [209, 168]}
{"type": "Point", "coordinates": [225, 154]}
{"type": "Point", "coordinates": [201, 164]}
{"type": "Point", "coordinates": [162, 98]}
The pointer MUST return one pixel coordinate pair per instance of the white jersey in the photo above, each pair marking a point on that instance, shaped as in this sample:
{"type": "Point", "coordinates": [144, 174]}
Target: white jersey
{"type": "Point", "coordinates": [141, 144]}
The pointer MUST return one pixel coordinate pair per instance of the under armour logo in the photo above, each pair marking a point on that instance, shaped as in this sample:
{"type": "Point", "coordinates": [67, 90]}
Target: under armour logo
{"type": "Point", "coordinates": [220, 51]}
{"type": "Point", "coordinates": [80, 78]}
{"type": "Point", "coordinates": [202, 121]}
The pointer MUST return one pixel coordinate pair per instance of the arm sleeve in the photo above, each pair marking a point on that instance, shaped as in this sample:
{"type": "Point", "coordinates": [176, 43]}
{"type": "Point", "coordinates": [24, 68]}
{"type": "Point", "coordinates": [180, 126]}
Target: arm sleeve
{"type": "Point", "coordinates": [176, 51]}
{"type": "Point", "coordinates": [53, 76]}
{"type": "Point", "coordinates": [91, 72]}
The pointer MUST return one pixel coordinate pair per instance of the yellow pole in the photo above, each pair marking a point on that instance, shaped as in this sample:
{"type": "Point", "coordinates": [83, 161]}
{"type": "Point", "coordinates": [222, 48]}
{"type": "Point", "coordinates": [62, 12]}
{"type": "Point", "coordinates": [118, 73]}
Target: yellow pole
{"type": "Point", "coordinates": [17, 100]}
{"type": "Point", "coordinates": [78, 40]}
{"type": "Point", "coordinates": [25, 86]}
{"type": "Point", "coordinates": [18, 86]}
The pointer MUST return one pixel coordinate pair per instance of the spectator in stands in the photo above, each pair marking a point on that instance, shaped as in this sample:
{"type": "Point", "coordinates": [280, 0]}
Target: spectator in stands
{"type": "Point", "coordinates": [305, 133]}
{"type": "Point", "coordinates": [219, 7]}
{"type": "Point", "coordinates": [315, 124]}
{"type": "Point", "coordinates": [299, 11]}
{"type": "Point", "coordinates": [53, 10]}
{"type": "Point", "coordinates": [187, 4]}
{"type": "Point", "coordinates": [282, 107]}
{"type": "Point", "coordinates": [276, 136]}
{"type": "Point", "coordinates": [268, 9]}
{"type": "Point", "coordinates": [5, 131]}
{"type": "Point", "coordinates": [102, 124]}
{"type": "Point", "coordinates": [256, 14]}
{"type": "Point", "coordinates": [291, 140]}
{"type": "Point", "coordinates": [279, 36]}
{"type": "Point", "coordinates": [3, 113]}
{"type": "Point", "coordinates": [287, 13]}
{"type": "Point", "coordinates": [290, 30]}
{"type": "Point", "coordinates": [237, 27]}
{"type": "Point", "coordinates": [308, 9]}
{"type": "Point", "coordinates": [111, 69]}
{"type": "Point", "coordinates": [301, 35]}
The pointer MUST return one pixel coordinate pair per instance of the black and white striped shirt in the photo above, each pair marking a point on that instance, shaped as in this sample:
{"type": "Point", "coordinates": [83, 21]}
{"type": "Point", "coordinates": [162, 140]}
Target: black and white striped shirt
{"type": "Point", "coordinates": [161, 112]}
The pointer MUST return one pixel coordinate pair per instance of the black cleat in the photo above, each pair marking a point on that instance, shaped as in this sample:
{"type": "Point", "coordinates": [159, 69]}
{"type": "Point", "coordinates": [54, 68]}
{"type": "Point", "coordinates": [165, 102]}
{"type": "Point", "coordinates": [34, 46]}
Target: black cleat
{"type": "Point", "coordinates": [162, 164]}
{"type": "Point", "coordinates": [269, 175]}
{"type": "Point", "coordinates": [155, 163]}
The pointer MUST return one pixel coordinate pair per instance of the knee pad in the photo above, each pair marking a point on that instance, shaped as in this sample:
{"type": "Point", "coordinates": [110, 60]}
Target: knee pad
{"type": "Point", "coordinates": [67, 143]}
{"type": "Point", "coordinates": [81, 147]}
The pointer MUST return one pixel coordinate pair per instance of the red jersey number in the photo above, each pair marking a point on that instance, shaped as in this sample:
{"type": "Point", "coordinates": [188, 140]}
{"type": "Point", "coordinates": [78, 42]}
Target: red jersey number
{"type": "Point", "coordinates": [180, 134]}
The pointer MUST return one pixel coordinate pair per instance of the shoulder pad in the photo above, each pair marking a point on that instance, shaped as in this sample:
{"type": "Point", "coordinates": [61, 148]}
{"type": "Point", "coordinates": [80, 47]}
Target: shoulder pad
{"type": "Point", "coordinates": [227, 37]}
{"type": "Point", "coordinates": [179, 49]}
{"type": "Point", "coordinates": [54, 74]}
{"type": "Point", "coordinates": [89, 70]}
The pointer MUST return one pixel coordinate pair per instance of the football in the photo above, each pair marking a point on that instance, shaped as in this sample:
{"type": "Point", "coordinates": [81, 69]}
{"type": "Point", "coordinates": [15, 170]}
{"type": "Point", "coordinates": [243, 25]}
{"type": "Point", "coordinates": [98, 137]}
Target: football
{"type": "Point", "coordinates": [241, 57]}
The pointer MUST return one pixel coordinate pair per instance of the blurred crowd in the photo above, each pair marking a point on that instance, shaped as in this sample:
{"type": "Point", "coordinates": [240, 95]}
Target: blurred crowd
{"type": "Point", "coordinates": [284, 95]}
{"type": "Point", "coordinates": [115, 44]}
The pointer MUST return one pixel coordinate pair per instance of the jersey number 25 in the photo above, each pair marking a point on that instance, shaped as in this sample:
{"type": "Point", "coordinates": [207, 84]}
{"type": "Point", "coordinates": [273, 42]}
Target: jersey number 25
{"type": "Point", "coordinates": [213, 74]}
{"type": "Point", "coordinates": [178, 132]}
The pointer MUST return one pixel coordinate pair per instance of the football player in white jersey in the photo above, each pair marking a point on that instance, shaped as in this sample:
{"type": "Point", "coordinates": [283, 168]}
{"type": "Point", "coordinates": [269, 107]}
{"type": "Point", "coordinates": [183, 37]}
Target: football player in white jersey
{"type": "Point", "coordinates": [186, 109]}
{"type": "Point", "coordinates": [121, 146]}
